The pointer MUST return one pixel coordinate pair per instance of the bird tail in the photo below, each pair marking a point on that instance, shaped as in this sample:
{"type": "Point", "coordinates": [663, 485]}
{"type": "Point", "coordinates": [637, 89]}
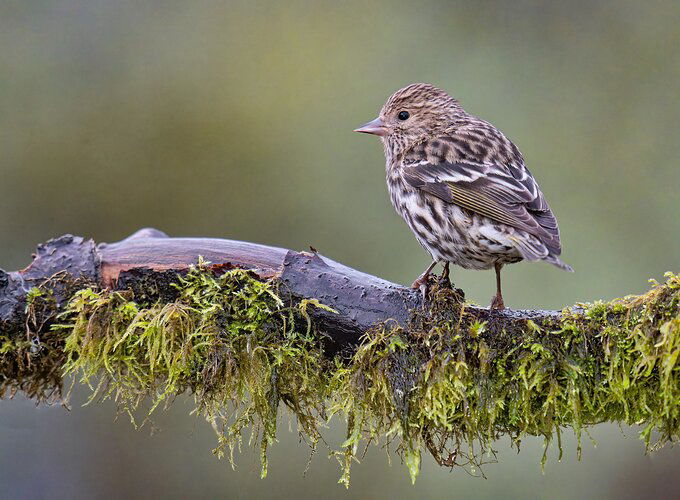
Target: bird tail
{"type": "Point", "coordinates": [532, 249]}
{"type": "Point", "coordinates": [556, 261]}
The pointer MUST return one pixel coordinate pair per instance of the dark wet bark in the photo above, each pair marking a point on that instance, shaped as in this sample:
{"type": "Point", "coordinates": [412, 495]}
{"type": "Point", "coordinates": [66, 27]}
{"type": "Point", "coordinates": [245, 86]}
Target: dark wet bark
{"type": "Point", "coordinates": [149, 261]}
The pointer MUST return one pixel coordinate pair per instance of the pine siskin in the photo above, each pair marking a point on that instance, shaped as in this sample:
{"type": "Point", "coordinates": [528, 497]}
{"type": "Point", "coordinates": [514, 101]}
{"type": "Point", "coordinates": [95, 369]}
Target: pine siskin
{"type": "Point", "coordinates": [462, 186]}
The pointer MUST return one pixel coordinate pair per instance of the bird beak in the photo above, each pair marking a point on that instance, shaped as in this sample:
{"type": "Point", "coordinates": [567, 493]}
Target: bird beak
{"type": "Point", "coordinates": [375, 127]}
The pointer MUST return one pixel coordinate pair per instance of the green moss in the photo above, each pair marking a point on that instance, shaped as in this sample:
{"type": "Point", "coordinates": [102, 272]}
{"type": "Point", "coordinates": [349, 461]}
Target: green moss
{"type": "Point", "coordinates": [229, 340]}
{"type": "Point", "coordinates": [609, 362]}
{"type": "Point", "coordinates": [32, 363]}
{"type": "Point", "coordinates": [449, 384]}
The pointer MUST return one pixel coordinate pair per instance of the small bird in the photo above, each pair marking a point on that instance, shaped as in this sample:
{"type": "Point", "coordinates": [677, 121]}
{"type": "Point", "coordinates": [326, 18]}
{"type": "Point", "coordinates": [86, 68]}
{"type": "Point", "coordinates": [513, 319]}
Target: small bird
{"type": "Point", "coordinates": [462, 186]}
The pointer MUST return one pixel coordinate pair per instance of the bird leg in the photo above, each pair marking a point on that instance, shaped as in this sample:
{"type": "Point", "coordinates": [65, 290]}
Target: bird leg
{"type": "Point", "coordinates": [497, 300]}
{"type": "Point", "coordinates": [422, 283]}
{"type": "Point", "coordinates": [444, 281]}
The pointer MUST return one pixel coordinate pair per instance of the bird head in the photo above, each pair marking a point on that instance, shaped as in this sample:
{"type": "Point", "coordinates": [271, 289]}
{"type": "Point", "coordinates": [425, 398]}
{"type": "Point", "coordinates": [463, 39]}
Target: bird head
{"type": "Point", "coordinates": [411, 115]}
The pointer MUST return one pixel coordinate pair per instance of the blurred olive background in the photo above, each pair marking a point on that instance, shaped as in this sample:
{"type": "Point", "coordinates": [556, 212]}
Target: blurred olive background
{"type": "Point", "coordinates": [234, 120]}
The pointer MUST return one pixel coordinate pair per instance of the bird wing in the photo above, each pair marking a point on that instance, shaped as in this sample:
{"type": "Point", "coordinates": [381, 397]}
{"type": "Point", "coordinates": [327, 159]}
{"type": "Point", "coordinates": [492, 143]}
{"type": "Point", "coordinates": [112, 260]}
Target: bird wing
{"type": "Point", "coordinates": [492, 191]}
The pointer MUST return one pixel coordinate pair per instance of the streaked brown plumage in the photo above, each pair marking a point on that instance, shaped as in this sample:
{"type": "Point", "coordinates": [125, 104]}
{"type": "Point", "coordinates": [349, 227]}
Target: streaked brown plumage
{"type": "Point", "coordinates": [462, 186]}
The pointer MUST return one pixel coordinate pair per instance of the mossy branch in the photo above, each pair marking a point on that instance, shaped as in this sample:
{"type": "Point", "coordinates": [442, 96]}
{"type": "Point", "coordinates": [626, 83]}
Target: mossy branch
{"type": "Point", "coordinates": [258, 328]}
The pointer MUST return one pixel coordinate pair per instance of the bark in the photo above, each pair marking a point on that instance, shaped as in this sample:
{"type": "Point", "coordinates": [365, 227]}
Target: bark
{"type": "Point", "coordinates": [455, 378]}
{"type": "Point", "coordinates": [149, 260]}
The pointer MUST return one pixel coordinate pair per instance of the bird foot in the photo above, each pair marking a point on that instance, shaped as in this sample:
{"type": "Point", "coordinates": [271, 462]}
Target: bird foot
{"type": "Point", "coordinates": [497, 303]}
{"type": "Point", "coordinates": [422, 280]}
{"type": "Point", "coordinates": [422, 284]}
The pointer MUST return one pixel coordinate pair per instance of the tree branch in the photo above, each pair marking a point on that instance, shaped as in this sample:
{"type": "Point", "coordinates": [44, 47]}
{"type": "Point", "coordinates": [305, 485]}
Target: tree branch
{"type": "Point", "coordinates": [151, 319]}
{"type": "Point", "coordinates": [148, 261]}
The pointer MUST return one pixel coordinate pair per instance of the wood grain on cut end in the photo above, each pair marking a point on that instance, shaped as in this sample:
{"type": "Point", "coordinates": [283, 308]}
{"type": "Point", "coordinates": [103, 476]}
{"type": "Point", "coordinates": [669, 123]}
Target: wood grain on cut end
{"type": "Point", "coordinates": [166, 253]}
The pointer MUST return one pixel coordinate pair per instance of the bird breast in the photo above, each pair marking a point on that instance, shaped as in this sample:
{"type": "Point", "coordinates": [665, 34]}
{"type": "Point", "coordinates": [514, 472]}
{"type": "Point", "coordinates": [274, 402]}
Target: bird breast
{"type": "Point", "coordinates": [449, 232]}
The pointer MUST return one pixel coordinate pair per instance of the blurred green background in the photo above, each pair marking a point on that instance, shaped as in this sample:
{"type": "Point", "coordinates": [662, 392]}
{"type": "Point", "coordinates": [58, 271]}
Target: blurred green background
{"type": "Point", "coordinates": [234, 119]}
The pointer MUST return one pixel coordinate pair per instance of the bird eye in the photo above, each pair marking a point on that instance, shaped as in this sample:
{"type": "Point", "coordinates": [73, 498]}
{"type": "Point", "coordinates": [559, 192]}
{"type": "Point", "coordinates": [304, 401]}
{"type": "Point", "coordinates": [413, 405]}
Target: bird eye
{"type": "Point", "coordinates": [403, 115]}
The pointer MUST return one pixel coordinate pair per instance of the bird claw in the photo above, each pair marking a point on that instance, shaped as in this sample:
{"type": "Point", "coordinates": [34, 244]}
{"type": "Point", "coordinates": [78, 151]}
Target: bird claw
{"type": "Point", "coordinates": [423, 285]}
{"type": "Point", "coordinates": [497, 303]}
{"type": "Point", "coordinates": [425, 282]}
